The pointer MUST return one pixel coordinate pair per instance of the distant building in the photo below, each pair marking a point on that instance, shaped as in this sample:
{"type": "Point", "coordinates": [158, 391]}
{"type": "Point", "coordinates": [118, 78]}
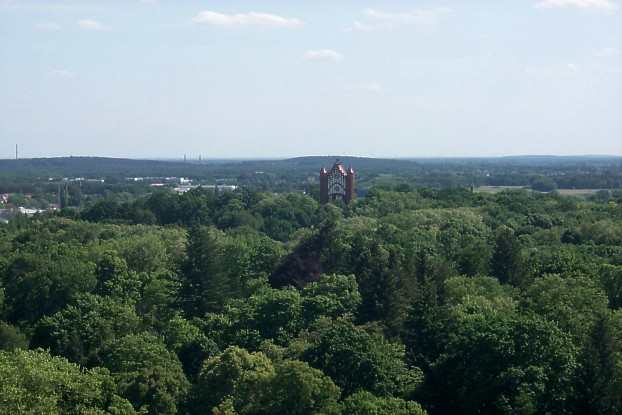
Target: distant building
{"type": "Point", "coordinates": [337, 184]}
{"type": "Point", "coordinates": [216, 187]}
{"type": "Point", "coordinates": [184, 188]}
{"type": "Point", "coordinates": [221, 187]}
{"type": "Point", "coordinates": [29, 212]}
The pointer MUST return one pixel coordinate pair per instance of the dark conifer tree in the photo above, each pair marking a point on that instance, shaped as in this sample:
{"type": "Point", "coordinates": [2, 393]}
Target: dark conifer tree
{"type": "Point", "coordinates": [599, 389]}
{"type": "Point", "coordinates": [203, 289]}
{"type": "Point", "coordinates": [506, 263]}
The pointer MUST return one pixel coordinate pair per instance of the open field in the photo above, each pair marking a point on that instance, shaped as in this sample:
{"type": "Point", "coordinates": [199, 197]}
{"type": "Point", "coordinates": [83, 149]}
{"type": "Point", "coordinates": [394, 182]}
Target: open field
{"type": "Point", "coordinates": [497, 189]}
{"type": "Point", "coordinates": [565, 192]}
{"type": "Point", "coordinates": [577, 192]}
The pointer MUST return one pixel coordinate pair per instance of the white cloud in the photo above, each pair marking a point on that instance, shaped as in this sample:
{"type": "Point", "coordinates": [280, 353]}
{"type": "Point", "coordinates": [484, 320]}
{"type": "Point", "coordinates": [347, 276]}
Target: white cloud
{"type": "Point", "coordinates": [89, 24]}
{"type": "Point", "coordinates": [246, 19]}
{"type": "Point", "coordinates": [326, 55]}
{"type": "Point", "coordinates": [48, 27]}
{"type": "Point", "coordinates": [414, 16]}
{"type": "Point", "coordinates": [582, 4]}
{"type": "Point", "coordinates": [608, 53]}
{"type": "Point", "coordinates": [379, 19]}
{"type": "Point", "coordinates": [62, 73]}
{"type": "Point", "coordinates": [372, 87]}
{"type": "Point", "coordinates": [360, 26]}
{"type": "Point", "coordinates": [555, 71]}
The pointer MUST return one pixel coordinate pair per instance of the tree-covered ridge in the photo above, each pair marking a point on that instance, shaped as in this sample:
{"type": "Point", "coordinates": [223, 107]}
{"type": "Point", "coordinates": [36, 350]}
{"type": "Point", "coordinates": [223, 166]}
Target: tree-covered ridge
{"type": "Point", "coordinates": [404, 302]}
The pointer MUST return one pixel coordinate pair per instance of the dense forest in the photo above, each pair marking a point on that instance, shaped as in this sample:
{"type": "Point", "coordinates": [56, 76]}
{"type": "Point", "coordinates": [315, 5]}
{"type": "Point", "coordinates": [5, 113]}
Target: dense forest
{"type": "Point", "coordinates": [408, 301]}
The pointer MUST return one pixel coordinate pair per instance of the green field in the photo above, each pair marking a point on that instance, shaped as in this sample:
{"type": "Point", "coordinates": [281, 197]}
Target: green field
{"type": "Point", "coordinates": [577, 192]}
{"type": "Point", "coordinates": [565, 192]}
{"type": "Point", "coordinates": [497, 189]}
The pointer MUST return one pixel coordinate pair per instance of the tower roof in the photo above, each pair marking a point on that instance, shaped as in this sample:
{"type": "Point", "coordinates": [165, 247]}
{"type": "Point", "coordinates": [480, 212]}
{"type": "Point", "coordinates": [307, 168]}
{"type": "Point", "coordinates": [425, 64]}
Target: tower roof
{"type": "Point", "coordinates": [338, 166]}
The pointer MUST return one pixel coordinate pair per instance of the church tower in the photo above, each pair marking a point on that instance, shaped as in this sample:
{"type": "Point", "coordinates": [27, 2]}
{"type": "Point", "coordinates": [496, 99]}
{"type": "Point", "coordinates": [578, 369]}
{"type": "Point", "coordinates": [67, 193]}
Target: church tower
{"type": "Point", "coordinates": [337, 184]}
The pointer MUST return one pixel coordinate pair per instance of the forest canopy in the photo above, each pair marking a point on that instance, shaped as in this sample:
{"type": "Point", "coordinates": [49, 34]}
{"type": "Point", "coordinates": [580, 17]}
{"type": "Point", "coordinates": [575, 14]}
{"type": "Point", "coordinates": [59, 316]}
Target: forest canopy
{"type": "Point", "coordinates": [407, 301]}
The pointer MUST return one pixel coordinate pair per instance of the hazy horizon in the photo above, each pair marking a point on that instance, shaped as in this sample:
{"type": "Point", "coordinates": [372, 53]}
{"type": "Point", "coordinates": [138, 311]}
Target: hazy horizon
{"type": "Point", "coordinates": [194, 159]}
{"type": "Point", "coordinates": [156, 79]}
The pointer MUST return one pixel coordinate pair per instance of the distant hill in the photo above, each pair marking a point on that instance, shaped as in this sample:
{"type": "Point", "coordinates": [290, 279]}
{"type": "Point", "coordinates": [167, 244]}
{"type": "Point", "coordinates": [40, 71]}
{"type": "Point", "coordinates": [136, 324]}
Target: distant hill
{"type": "Point", "coordinates": [103, 166]}
{"type": "Point", "coordinates": [568, 171]}
{"type": "Point", "coordinates": [94, 167]}
{"type": "Point", "coordinates": [316, 162]}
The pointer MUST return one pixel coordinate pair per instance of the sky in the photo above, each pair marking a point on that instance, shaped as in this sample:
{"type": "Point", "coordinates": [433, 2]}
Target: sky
{"type": "Point", "coordinates": [227, 79]}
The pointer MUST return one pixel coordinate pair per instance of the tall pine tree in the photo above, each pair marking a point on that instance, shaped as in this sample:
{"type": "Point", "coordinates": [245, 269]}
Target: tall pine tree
{"type": "Point", "coordinates": [506, 263]}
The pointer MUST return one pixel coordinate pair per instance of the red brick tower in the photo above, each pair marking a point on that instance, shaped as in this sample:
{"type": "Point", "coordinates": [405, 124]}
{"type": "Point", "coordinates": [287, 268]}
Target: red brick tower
{"type": "Point", "coordinates": [337, 184]}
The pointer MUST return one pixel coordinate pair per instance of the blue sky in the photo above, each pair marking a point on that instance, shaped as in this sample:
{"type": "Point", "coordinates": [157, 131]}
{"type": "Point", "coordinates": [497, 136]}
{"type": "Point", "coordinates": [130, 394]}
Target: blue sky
{"type": "Point", "coordinates": [161, 78]}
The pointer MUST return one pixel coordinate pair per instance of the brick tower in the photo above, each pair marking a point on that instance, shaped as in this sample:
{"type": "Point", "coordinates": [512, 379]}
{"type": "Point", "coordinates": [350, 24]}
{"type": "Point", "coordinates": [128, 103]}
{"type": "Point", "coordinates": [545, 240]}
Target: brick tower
{"type": "Point", "coordinates": [337, 184]}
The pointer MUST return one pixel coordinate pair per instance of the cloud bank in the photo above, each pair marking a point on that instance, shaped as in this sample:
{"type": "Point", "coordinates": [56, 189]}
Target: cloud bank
{"type": "Point", "coordinates": [48, 27]}
{"type": "Point", "coordinates": [379, 19]}
{"type": "Point", "coordinates": [246, 19]}
{"type": "Point", "coordinates": [582, 4]}
{"type": "Point", "coordinates": [325, 55]}
{"type": "Point", "coordinates": [89, 24]}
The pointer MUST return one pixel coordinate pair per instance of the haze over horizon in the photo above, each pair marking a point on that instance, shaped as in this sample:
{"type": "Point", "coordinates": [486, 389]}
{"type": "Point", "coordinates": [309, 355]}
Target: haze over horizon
{"type": "Point", "coordinates": [274, 79]}
{"type": "Point", "coordinates": [195, 158]}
